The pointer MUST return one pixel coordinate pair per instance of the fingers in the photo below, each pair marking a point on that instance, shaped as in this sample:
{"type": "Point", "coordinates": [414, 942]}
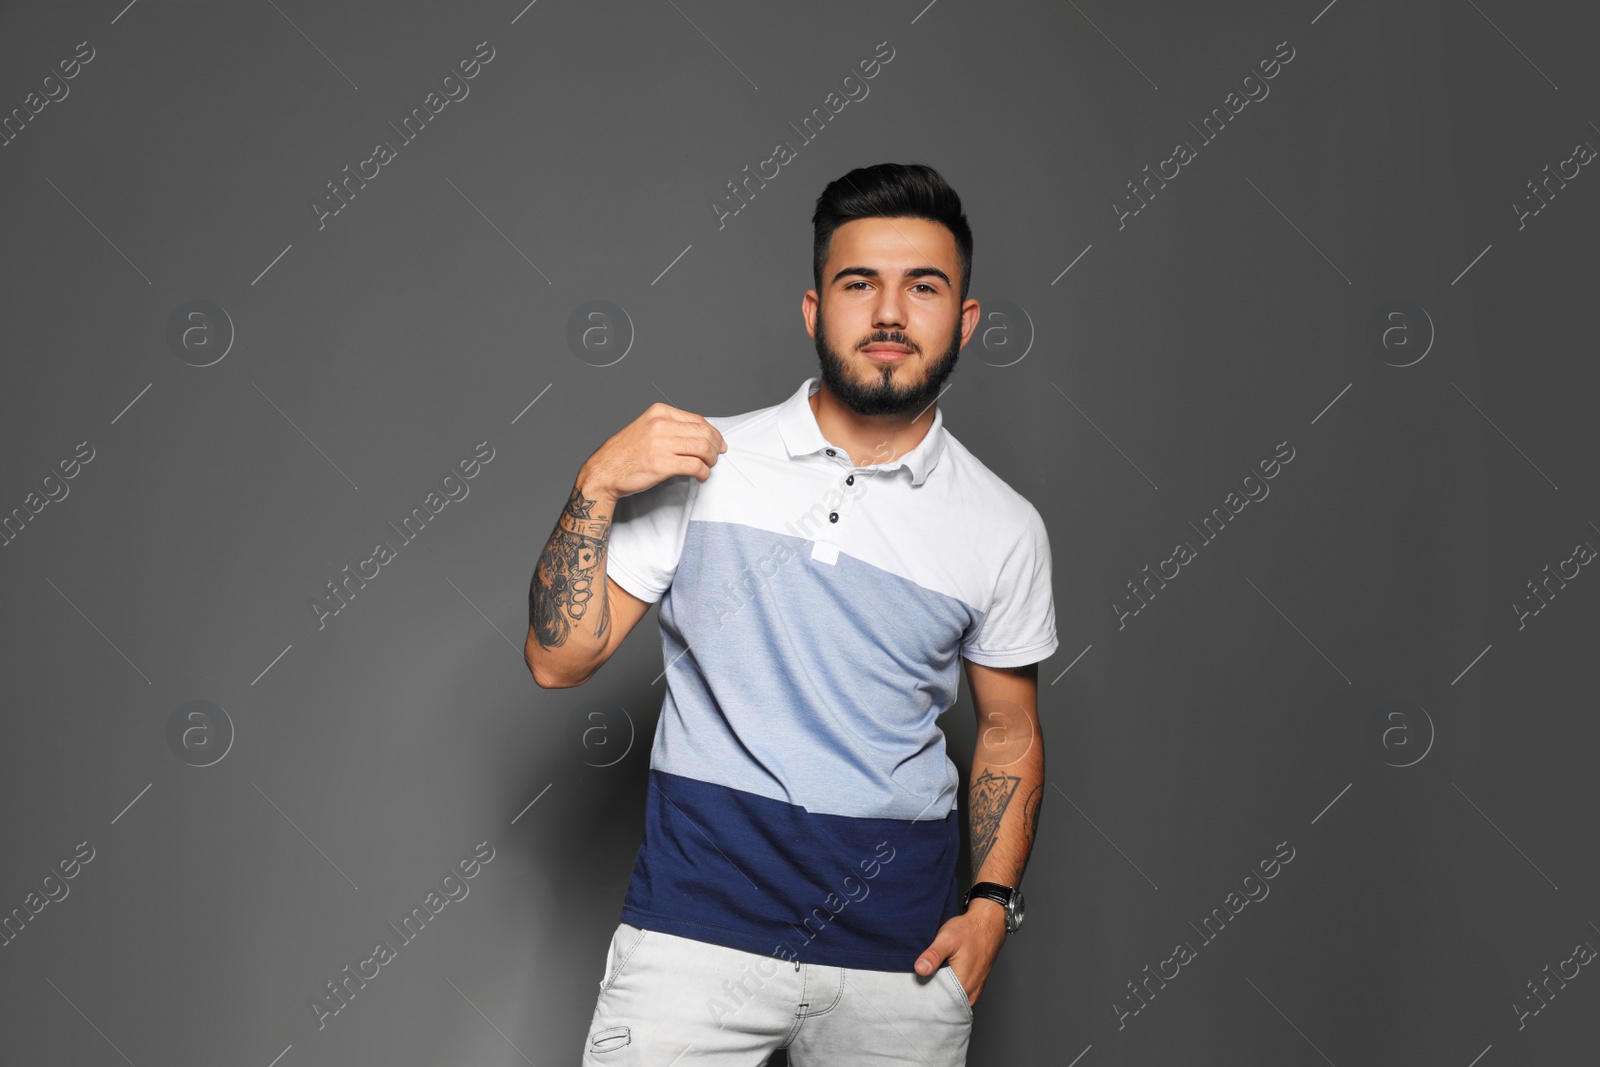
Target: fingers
{"type": "Point", "coordinates": [696, 468]}
{"type": "Point", "coordinates": [689, 417]}
{"type": "Point", "coordinates": [711, 435]}
{"type": "Point", "coordinates": [697, 444]}
{"type": "Point", "coordinates": [666, 441]}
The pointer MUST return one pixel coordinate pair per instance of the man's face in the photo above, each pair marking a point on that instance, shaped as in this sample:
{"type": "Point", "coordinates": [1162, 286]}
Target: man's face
{"type": "Point", "coordinates": [895, 321]}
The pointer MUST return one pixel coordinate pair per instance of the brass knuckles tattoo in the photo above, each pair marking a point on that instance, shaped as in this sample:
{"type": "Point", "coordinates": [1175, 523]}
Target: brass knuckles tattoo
{"type": "Point", "coordinates": [562, 585]}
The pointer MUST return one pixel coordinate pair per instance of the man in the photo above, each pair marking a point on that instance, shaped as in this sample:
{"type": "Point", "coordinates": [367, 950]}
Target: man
{"type": "Point", "coordinates": [824, 567]}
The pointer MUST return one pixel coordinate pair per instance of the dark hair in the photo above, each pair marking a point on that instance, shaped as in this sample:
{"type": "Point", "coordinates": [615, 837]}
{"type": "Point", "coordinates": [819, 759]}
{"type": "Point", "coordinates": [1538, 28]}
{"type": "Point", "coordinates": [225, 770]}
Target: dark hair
{"type": "Point", "coordinates": [889, 190]}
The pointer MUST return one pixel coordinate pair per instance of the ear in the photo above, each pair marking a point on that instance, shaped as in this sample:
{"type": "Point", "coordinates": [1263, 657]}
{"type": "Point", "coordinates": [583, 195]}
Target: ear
{"type": "Point", "coordinates": [970, 317]}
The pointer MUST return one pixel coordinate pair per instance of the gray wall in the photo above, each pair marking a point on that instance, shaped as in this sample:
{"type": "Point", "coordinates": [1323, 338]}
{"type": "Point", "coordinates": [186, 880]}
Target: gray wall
{"type": "Point", "coordinates": [1343, 669]}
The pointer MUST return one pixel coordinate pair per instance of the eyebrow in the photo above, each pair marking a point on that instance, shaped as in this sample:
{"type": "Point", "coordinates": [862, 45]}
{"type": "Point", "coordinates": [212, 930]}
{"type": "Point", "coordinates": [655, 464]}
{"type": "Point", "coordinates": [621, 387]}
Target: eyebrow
{"type": "Point", "coordinates": [910, 272]}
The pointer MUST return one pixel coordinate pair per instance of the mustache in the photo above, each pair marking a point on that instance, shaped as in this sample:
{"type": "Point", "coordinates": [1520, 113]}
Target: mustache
{"type": "Point", "coordinates": [886, 338]}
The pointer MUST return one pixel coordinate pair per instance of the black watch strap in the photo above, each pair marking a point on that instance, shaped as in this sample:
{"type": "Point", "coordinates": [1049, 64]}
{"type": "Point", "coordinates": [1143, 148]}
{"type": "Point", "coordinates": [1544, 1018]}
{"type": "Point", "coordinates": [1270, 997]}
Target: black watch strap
{"type": "Point", "coordinates": [1004, 895]}
{"type": "Point", "coordinates": [1000, 894]}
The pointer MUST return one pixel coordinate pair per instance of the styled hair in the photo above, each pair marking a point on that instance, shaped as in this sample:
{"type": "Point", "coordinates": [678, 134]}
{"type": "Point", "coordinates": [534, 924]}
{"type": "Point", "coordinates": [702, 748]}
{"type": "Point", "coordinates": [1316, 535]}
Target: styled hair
{"type": "Point", "coordinates": [889, 190]}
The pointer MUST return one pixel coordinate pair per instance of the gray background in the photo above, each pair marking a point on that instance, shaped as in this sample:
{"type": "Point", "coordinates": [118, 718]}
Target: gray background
{"type": "Point", "coordinates": [1236, 711]}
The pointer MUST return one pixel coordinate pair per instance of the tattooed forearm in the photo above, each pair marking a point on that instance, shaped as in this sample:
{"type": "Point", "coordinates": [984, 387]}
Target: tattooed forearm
{"type": "Point", "coordinates": [1008, 774]}
{"type": "Point", "coordinates": [564, 583]}
{"type": "Point", "coordinates": [990, 796]}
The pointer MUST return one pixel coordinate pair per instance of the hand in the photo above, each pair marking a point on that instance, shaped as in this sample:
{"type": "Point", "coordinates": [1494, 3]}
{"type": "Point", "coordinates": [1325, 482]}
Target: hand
{"type": "Point", "coordinates": [970, 942]}
{"type": "Point", "coordinates": [662, 442]}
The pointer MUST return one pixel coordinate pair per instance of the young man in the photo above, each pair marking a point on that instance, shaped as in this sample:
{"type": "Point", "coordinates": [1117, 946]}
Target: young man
{"type": "Point", "coordinates": [825, 566]}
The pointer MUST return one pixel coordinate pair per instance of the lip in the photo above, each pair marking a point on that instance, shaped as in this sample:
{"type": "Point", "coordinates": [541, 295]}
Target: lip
{"type": "Point", "coordinates": [886, 353]}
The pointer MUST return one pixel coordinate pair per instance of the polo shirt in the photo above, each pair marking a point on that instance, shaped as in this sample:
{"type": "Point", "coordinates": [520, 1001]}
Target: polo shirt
{"type": "Point", "coordinates": [813, 618]}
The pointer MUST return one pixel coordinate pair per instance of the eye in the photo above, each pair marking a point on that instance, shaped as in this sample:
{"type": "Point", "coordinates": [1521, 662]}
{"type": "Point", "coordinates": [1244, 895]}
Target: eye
{"type": "Point", "coordinates": [925, 285]}
{"type": "Point", "coordinates": [852, 285]}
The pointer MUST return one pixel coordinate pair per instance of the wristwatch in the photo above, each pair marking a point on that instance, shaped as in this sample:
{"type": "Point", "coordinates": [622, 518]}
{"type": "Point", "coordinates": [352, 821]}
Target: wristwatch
{"type": "Point", "coordinates": [1008, 897]}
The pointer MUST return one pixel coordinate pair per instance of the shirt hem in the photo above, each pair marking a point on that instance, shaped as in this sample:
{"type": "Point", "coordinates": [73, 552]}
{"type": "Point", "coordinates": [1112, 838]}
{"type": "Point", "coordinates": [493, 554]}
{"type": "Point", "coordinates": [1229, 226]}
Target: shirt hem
{"type": "Point", "coordinates": [764, 945]}
{"type": "Point", "coordinates": [1018, 658]}
{"type": "Point", "coordinates": [631, 583]}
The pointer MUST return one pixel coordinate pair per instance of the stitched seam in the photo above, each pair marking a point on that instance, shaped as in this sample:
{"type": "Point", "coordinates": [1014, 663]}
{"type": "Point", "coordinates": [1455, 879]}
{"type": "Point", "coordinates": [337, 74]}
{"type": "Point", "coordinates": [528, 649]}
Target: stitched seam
{"type": "Point", "coordinates": [961, 992]}
{"type": "Point", "coordinates": [623, 962]}
{"type": "Point", "coordinates": [799, 1015]}
{"type": "Point", "coordinates": [838, 997]}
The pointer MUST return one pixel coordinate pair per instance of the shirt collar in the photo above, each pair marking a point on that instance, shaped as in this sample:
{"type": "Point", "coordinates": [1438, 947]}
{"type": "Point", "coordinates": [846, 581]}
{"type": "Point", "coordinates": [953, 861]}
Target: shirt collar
{"type": "Point", "coordinates": [803, 437]}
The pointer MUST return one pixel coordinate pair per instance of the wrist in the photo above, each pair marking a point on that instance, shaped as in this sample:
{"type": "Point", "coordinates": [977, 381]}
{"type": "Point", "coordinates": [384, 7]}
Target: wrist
{"type": "Point", "coordinates": [988, 917]}
{"type": "Point", "coordinates": [1007, 901]}
{"type": "Point", "coordinates": [592, 486]}
{"type": "Point", "coordinates": [984, 908]}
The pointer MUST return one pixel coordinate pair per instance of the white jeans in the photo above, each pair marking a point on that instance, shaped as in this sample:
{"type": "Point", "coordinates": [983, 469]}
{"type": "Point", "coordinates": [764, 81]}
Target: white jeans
{"type": "Point", "coordinates": [670, 1001]}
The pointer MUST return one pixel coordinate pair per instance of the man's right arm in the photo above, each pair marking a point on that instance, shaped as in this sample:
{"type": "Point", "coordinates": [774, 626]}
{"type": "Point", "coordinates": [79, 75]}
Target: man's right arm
{"type": "Point", "coordinates": [577, 615]}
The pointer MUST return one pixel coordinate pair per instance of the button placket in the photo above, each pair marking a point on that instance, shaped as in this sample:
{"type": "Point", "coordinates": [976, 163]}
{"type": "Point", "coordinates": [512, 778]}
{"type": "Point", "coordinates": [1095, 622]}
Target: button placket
{"type": "Point", "coordinates": [842, 510]}
{"type": "Point", "coordinates": [851, 500]}
{"type": "Point", "coordinates": [835, 515]}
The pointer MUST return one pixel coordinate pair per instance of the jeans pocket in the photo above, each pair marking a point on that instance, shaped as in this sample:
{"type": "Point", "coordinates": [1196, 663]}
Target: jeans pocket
{"type": "Point", "coordinates": [957, 989]}
{"type": "Point", "coordinates": [625, 942]}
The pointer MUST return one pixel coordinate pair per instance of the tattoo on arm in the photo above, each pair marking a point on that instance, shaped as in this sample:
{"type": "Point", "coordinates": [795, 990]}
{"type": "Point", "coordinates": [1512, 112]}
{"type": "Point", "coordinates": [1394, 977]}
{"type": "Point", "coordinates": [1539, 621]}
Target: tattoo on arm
{"type": "Point", "coordinates": [991, 795]}
{"type": "Point", "coordinates": [562, 585]}
{"type": "Point", "coordinates": [1030, 824]}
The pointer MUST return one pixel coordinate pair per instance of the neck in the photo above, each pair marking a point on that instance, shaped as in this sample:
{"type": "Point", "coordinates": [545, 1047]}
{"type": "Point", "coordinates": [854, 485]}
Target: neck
{"type": "Point", "coordinates": [871, 440]}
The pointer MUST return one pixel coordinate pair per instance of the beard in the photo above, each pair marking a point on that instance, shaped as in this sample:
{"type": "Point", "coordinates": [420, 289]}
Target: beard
{"type": "Point", "coordinates": [885, 396]}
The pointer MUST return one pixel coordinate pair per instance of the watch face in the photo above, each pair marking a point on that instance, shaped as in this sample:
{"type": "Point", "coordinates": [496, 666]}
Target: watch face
{"type": "Point", "coordinates": [1016, 905]}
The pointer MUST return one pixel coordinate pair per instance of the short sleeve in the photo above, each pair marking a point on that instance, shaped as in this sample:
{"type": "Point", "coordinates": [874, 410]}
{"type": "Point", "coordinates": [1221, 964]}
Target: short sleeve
{"type": "Point", "coordinates": [1019, 626]}
{"type": "Point", "coordinates": [646, 537]}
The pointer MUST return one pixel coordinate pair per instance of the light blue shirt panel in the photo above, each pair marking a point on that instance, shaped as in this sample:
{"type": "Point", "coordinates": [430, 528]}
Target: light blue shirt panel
{"type": "Point", "coordinates": [816, 684]}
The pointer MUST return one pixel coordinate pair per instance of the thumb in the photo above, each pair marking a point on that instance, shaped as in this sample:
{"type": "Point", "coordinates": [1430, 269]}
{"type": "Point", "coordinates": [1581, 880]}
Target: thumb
{"type": "Point", "coordinates": [934, 955]}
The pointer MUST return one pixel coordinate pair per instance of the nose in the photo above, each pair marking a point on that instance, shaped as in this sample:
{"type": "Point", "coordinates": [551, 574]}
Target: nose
{"type": "Point", "coordinates": [889, 311]}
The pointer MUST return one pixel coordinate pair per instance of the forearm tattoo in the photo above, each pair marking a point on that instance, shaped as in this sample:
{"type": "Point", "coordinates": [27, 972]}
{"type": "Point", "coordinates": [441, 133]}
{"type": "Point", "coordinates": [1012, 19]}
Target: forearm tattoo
{"type": "Point", "coordinates": [564, 581]}
{"type": "Point", "coordinates": [990, 796]}
{"type": "Point", "coordinates": [1030, 823]}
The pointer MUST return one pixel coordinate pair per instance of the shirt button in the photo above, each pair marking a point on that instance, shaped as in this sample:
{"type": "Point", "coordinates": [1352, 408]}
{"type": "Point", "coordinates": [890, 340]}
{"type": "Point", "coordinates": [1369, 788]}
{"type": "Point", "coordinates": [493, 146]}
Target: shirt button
{"type": "Point", "coordinates": [830, 452]}
{"type": "Point", "coordinates": [833, 516]}
{"type": "Point", "coordinates": [850, 480]}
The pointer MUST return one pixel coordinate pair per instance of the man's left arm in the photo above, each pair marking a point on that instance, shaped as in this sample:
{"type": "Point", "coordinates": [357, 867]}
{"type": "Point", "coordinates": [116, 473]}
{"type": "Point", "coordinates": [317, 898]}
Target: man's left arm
{"type": "Point", "coordinates": [1007, 786]}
